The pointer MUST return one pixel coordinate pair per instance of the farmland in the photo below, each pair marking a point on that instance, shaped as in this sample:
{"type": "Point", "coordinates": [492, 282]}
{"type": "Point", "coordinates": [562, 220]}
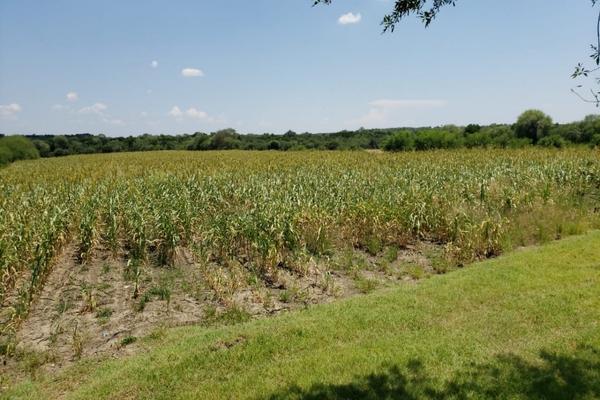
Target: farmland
{"type": "Point", "coordinates": [522, 326]}
{"type": "Point", "coordinates": [234, 229]}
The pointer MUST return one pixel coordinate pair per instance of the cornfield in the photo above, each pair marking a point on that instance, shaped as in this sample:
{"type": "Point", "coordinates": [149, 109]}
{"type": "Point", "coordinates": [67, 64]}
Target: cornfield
{"type": "Point", "coordinates": [273, 211]}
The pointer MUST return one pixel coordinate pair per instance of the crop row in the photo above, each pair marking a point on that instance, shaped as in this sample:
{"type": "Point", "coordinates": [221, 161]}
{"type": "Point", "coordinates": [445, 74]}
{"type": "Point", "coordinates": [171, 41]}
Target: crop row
{"type": "Point", "coordinates": [273, 210]}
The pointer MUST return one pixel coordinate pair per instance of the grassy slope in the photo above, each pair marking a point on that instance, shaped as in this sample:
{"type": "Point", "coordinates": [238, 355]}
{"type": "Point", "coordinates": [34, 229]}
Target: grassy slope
{"type": "Point", "coordinates": [526, 324]}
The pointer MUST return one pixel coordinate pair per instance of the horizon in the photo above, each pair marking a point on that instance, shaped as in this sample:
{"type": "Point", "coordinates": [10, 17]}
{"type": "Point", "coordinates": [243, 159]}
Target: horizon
{"type": "Point", "coordinates": [269, 67]}
{"type": "Point", "coordinates": [175, 134]}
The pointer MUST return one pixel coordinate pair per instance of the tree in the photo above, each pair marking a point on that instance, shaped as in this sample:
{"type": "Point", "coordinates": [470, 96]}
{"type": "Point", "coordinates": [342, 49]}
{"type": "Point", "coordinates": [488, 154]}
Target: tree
{"type": "Point", "coordinates": [533, 124]}
{"type": "Point", "coordinates": [13, 148]}
{"type": "Point", "coordinates": [472, 128]}
{"type": "Point", "coordinates": [225, 139]}
{"type": "Point", "coordinates": [590, 127]}
{"type": "Point", "coordinates": [582, 71]}
{"type": "Point", "coordinates": [404, 8]}
{"type": "Point", "coordinates": [42, 147]}
{"type": "Point", "coordinates": [400, 141]}
{"type": "Point", "coordinates": [553, 141]}
{"type": "Point", "coordinates": [428, 10]}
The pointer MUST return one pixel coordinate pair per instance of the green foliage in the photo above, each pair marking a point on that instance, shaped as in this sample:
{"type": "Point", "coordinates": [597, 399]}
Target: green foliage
{"type": "Point", "coordinates": [14, 148]}
{"type": "Point", "coordinates": [391, 254]}
{"type": "Point", "coordinates": [472, 128]}
{"type": "Point", "coordinates": [478, 139]}
{"type": "Point", "coordinates": [225, 139]}
{"type": "Point", "coordinates": [401, 141]}
{"type": "Point", "coordinates": [365, 285]}
{"type": "Point", "coordinates": [5, 155]}
{"type": "Point", "coordinates": [553, 141]}
{"type": "Point", "coordinates": [533, 125]}
{"type": "Point", "coordinates": [127, 340]}
{"type": "Point", "coordinates": [438, 139]}
{"type": "Point", "coordinates": [231, 316]}
{"type": "Point", "coordinates": [104, 312]}
{"type": "Point", "coordinates": [42, 147]}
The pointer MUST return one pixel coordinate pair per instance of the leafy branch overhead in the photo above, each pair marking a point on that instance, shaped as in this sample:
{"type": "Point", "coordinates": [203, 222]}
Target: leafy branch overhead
{"type": "Point", "coordinates": [581, 70]}
{"type": "Point", "coordinates": [403, 8]}
{"type": "Point", "coordinates": [428, 10]}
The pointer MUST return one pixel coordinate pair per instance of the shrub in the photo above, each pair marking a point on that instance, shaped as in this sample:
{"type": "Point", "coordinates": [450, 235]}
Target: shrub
{"type": "Point", "coordinates": [333, 145]}
{"type": "Point", "coordinates": [401, 141]}
{"type": "Point", "coordinates": [516, 143]}
{"type": "Point", "coordinates": [553, 141]}
{"type": "Point", "coordinates": [590, 127]}
{"type": "Point", "coordinates": [13, 148]}
{"type": "Point", "coordinates": [437, 139]}
{"type": "Point", "coordinates": [274, 145]}
{"type": "Point", "coordinates": [42, 147]}
{"type": "Point", "coordinates": [225, 139]}
{"type": "Point", "coordinates": [478, 139]}
{"type": "Point", "coordinates": [5, 155]}
{"type": "Point", "coordinates": [472, 128]}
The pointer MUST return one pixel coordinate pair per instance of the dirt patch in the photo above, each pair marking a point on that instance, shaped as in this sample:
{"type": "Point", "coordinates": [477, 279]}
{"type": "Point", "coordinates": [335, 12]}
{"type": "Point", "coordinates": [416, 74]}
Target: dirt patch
{"type": "Point", "coordinates": [94, 309]}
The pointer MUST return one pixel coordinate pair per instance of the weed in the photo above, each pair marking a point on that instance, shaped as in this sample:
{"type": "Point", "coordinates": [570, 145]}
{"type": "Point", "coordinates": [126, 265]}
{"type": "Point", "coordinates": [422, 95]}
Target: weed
{"type": "Point", "coordinates": [77, 342]}
{"type": "Point", "coordinates": [365, 285]}
{"type": "Point", "coordinates": [63, 305]}
{"type": "Point", "coordinates": [143, 300]}
{"type": "Point", "coordinates": [89, 300]}
{"type": "Point", "coordinates": [103, 314]}
{"type": "Point", "coordinates": [162, 292]}
{"type": "Point", "coordinates": [232, 315]}
{"type": "Point", "coordinates": [414, 271]}
{"type": "Point", "coordinates": [391, 254]}
{"type": "Point", "coordinates": [127, 340]}
{"type": "Point", "coordinates": [105, 268]}
{"type": "Point", "coordinates": [373, 245]}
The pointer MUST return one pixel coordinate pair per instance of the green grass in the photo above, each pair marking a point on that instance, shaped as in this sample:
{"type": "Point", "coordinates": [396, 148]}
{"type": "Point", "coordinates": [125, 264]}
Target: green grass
{"type": "Point", "coordinates": [526, 325]}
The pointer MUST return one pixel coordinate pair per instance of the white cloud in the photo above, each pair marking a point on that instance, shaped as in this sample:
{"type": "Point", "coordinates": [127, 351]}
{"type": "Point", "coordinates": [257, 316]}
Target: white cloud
{"type": "Point", "coordinates": [176, 112]}
{"type": "Point", "coordinates": [72, 96]}
{"type": "Point", "coordinates": [97, 109]}
{"type": "Point", "coordinates": [143, 114]}
{"type": "Point", "coordinates": [191, 72]}
{"type": "Point", "coordinates": [191, 112]}
{"type": "Point", "coordinates": [154, 64]}
{"type": "Point", "coordinates": [195, 113]}
{"type": "Point", "coordinates": [10, 110]}
{"type": "Point", "coordinates": [349, 18]}
{"type": "Point", "coordinates": [386, 111]}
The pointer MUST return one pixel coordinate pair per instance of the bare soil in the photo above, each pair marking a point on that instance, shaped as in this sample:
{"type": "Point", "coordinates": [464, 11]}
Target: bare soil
{"type": "Point", "coordinates": [91, 310]}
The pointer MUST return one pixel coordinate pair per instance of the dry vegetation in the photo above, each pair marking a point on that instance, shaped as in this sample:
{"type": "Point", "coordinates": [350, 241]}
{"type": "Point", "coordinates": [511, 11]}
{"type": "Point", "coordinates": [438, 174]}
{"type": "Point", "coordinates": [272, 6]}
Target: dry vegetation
{"type": "Point", "coordinates": [96, 251]}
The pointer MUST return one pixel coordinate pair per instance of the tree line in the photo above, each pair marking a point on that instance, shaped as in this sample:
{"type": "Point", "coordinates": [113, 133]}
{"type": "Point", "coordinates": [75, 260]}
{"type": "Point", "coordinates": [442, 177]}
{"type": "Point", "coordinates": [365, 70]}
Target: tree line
{"type": "Point", "coordinates": [533, 127]}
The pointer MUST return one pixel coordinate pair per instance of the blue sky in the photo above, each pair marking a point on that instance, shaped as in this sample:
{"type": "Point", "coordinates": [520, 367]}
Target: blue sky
{"type": "Point", "coordinates": [69, 66]}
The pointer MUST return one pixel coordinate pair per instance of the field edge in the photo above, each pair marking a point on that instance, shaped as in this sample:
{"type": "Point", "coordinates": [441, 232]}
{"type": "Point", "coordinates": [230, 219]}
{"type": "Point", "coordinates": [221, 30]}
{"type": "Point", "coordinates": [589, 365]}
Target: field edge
{"type": "Point", "coordinates": [524, 304]}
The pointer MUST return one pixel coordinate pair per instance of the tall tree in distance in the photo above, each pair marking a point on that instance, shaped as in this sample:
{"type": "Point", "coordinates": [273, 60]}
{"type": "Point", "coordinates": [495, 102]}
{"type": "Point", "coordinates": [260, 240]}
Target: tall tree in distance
{"type": "Point", "coordinates": [427, 10]}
